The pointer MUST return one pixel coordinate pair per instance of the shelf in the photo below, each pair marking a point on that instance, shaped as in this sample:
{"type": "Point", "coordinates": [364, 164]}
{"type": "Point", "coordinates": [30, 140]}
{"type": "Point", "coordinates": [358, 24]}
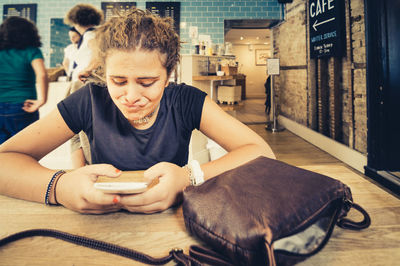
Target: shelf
{"type": "Point", "coordinates": [200, 78]}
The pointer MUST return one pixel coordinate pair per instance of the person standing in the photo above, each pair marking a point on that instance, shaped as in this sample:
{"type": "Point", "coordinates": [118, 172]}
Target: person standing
{"type": "Point", "coordinates": [22, 72]}
{"type": "Point", "coordinates": [70, 51]}
{"type": "Point", "coordinates": [84, 18]}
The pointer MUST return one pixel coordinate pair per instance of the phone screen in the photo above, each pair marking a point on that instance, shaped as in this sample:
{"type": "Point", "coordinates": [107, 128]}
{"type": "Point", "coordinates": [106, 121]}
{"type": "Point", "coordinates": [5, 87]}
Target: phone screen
{"type": "Point", "coordinates": [129, 182]}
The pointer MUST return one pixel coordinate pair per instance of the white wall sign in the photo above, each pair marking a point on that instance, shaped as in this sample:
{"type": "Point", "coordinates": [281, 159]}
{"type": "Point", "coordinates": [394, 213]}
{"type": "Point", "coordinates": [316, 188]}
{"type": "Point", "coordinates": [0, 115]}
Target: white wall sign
{"type": "Point", "coordinates": [273, 66]}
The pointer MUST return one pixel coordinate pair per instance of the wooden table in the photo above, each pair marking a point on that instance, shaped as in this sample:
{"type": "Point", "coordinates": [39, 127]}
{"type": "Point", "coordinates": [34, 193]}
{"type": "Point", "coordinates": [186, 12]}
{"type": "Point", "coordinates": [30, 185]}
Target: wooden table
{"type": "Point", "coordinates": [154, 234]}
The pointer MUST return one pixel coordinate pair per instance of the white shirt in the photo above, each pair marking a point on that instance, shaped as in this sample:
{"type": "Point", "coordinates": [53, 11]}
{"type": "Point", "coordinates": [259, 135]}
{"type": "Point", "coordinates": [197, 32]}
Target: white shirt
{"type": "Point", "coordinates": [84, 54]}
{"type": "Point", "coordinates": [69, 53]}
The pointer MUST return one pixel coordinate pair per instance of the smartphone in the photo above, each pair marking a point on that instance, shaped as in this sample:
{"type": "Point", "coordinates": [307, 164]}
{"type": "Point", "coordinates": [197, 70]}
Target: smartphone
{"type": "Point", "coordinates": [129, 182]}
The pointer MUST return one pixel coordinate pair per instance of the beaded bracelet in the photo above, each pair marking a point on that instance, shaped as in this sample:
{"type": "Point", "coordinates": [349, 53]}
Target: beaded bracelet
{"type": "Point", "coordinates": [55, 187]}
{"type": "Point", "coordinates": [190, 174]}
{"type": "Point", "coordinates": [50, 185]}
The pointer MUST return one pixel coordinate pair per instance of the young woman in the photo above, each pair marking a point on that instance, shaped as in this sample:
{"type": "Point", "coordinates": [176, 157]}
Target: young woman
{"type": "Point", "coordinates": [70, 51]}
{"type": "Point", "coordinates": [21, 68]}
{"type": "Point", "coordinates": [136, 121]}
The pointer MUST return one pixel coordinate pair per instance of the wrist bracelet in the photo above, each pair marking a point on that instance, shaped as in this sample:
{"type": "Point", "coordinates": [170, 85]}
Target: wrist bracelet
{"type": "Point", "coordinates": [50, 185]}
{"type": "Point", "coordinates": [55, 187]}
{"type": "Point", "coordinates": [196, 175]}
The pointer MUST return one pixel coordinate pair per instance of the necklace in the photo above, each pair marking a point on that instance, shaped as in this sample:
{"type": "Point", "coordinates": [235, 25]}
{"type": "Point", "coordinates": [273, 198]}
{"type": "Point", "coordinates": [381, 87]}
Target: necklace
{"type": "Point", "coordinates": [145, 119]}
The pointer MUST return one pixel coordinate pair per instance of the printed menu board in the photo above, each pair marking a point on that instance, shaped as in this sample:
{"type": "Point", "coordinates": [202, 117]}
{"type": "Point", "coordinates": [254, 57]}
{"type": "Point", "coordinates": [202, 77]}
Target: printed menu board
{"type": "Point", "coordinates": [110, 7]}
{"type": "Point", "coordinates": [27, 11]}
{"type": "Point", "coordinates": [166, 9]}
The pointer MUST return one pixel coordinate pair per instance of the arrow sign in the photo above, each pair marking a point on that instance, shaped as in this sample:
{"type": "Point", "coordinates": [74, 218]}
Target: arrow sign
{"type": "Point", "coordinates": [316, 24]}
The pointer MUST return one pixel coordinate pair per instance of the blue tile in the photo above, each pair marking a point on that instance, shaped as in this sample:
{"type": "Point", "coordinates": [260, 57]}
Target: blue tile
{"type": "Point", "coordinates": [251, 3]}
{"type": "Point", "coordinates": [245, 9]}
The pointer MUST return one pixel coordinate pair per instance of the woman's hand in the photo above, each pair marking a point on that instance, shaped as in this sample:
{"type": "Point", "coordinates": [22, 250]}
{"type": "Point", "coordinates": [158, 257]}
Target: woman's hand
{"type": "Point", "coordinates": [84, 75]}
{"type": "Point", "coordinates": [31, 106]}
{"type": "Point", "coordinates": [172, 180]}
{"type": "Point", "coordinates": [75, 190]}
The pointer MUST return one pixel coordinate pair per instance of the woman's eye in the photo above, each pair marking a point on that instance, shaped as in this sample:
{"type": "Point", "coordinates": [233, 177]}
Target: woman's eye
{"type": "Point", "coordinates": [147, 84]}
{"type": "Point", "coordinates": [119, 82]}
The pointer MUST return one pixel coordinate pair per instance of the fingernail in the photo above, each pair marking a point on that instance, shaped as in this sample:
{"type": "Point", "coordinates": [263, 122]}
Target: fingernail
{"type": "Point", "coordinates": [115, 199]}
{"type": "Point", "coordinates": [117, 171]}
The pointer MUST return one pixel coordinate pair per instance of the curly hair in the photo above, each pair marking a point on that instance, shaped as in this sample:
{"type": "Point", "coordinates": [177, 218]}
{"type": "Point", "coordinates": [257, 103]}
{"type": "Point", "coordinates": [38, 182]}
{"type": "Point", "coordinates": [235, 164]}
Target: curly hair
{"type": "Point", "coordinates": [18, 33]}
{"type": "Point", "coordinates": [84, 15]}
{"type": "Point", "coordinates": [138, 29]}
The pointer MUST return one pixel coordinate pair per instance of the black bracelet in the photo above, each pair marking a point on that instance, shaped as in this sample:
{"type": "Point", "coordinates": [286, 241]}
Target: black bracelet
{"type": "Point", "coordinates": [50, 185]}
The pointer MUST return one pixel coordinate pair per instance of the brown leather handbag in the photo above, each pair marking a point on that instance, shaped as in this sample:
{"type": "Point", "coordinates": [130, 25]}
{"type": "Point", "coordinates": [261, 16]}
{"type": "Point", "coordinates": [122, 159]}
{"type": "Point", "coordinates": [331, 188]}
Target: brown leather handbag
{"type": "Point", "coordinates": [266, 212]}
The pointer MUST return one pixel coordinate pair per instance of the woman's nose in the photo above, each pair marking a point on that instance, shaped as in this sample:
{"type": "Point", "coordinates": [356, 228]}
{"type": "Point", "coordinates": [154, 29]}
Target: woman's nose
{"type": "Point", "coordinates": [133, 94]}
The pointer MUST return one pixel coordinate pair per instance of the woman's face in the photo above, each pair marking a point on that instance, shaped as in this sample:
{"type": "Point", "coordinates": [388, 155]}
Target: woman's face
{"type": "Point", "coordinates": [135, 81]}
{"type": "Point", "coordinates": [74, 37]}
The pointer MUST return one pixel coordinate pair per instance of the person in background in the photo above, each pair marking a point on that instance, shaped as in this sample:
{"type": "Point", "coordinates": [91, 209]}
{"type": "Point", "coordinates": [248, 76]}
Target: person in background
{"type": "Point", "coordinates": [84, 18]}
{"type": "Point", "coordinates": [135, 120]}
{"type": "Point", "coordinates": [70, 51]}
{"type": "Point", "coordinates": [267, 86]}
{"type": "Point", "coordinates": [22, 73]}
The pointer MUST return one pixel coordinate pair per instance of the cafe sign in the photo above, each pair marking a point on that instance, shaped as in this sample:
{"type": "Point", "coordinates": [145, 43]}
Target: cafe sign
{"type": "Point", "coordinates": [327, 28]}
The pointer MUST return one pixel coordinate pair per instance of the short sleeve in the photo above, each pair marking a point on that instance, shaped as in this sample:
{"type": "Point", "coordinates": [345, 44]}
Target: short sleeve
{"type": "Point", "coordinates": [191, 102]}
{"type": "Point", "coordinates": [76, 109]}
{"type": "Point", "coordinates": [35, 53]}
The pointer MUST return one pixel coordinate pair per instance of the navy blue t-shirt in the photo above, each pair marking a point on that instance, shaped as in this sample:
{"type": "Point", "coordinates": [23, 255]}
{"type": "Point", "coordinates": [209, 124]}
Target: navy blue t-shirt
{"type": "Point", "coordinates": [115, 141]}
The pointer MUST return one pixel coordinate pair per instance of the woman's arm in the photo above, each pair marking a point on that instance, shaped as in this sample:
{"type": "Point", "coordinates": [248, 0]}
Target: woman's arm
{"type": "Point", "coordinates": [42, 82]}
{"type": "Point", "coordinates": [240, 141]}
{"type": "Point", "coordinates": [21, 176]}
{"type": "Point", "coordinates": [65, 64]}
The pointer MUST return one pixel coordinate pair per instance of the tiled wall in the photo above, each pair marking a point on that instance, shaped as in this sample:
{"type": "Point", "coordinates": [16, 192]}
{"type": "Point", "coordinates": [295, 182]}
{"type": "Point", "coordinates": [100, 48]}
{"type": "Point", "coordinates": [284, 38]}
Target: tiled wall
{"type": "Point", "coordinates": [59, 39]}
{"type": "Point", "coordinates": [208, 16]}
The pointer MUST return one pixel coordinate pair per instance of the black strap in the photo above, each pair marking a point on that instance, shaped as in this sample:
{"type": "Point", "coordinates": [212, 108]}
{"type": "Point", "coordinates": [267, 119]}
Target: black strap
{"type": "Point", "coordinates": [208, 256]}
{"type": "Point", "coordinates": [346, 223]}
{"type": "Point", "coordinates": [81, 39]}
{"type": "Point", "coordinates": [80, 43]}
{"type": "Point", "coordinates": [175, 254]}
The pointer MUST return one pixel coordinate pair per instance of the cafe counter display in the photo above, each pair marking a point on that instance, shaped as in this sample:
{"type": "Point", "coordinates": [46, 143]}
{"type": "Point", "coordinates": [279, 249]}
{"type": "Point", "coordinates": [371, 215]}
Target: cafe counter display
{"type": "Point", "coordinates": [201, 71]}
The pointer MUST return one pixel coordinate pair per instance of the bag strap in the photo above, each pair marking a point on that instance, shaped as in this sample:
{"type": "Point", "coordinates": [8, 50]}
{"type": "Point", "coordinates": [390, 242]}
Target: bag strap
{"type": "Point", "coordinates": [346, 223]}
{"type": "Point", "coordinates": [208, 256]}
{"type": "Point", "coordinates": [175, 254]}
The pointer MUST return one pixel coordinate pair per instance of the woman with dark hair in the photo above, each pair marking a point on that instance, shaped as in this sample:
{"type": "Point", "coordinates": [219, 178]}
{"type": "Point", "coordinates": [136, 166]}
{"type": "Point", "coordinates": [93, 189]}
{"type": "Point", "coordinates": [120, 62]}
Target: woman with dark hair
{"type": "Point", "coordinates": [21, 69]}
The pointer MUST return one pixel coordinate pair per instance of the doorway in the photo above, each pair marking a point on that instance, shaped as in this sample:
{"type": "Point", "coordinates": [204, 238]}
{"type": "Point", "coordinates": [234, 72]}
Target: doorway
{"type": "Point", "coordinates": [249, 37]}
{"type": "Point", "coordinates": [383, 91]}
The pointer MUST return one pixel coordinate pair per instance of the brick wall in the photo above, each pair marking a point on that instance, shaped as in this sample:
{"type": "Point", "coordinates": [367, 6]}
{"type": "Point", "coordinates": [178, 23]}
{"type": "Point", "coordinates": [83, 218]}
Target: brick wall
{"type": "Point", "coordinates": [337, 108]}
{"type": "Point", "coordinates": [289, 42]}
{"type": "Point", "coordinates": [359, 74]}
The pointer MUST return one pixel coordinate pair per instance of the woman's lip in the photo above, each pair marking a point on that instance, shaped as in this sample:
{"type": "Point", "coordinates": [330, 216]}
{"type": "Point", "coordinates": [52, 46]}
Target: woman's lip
{"type": "Point", "coordinates": [138, 105]}
{"type": "Point", "coordinates": [134, 107]}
